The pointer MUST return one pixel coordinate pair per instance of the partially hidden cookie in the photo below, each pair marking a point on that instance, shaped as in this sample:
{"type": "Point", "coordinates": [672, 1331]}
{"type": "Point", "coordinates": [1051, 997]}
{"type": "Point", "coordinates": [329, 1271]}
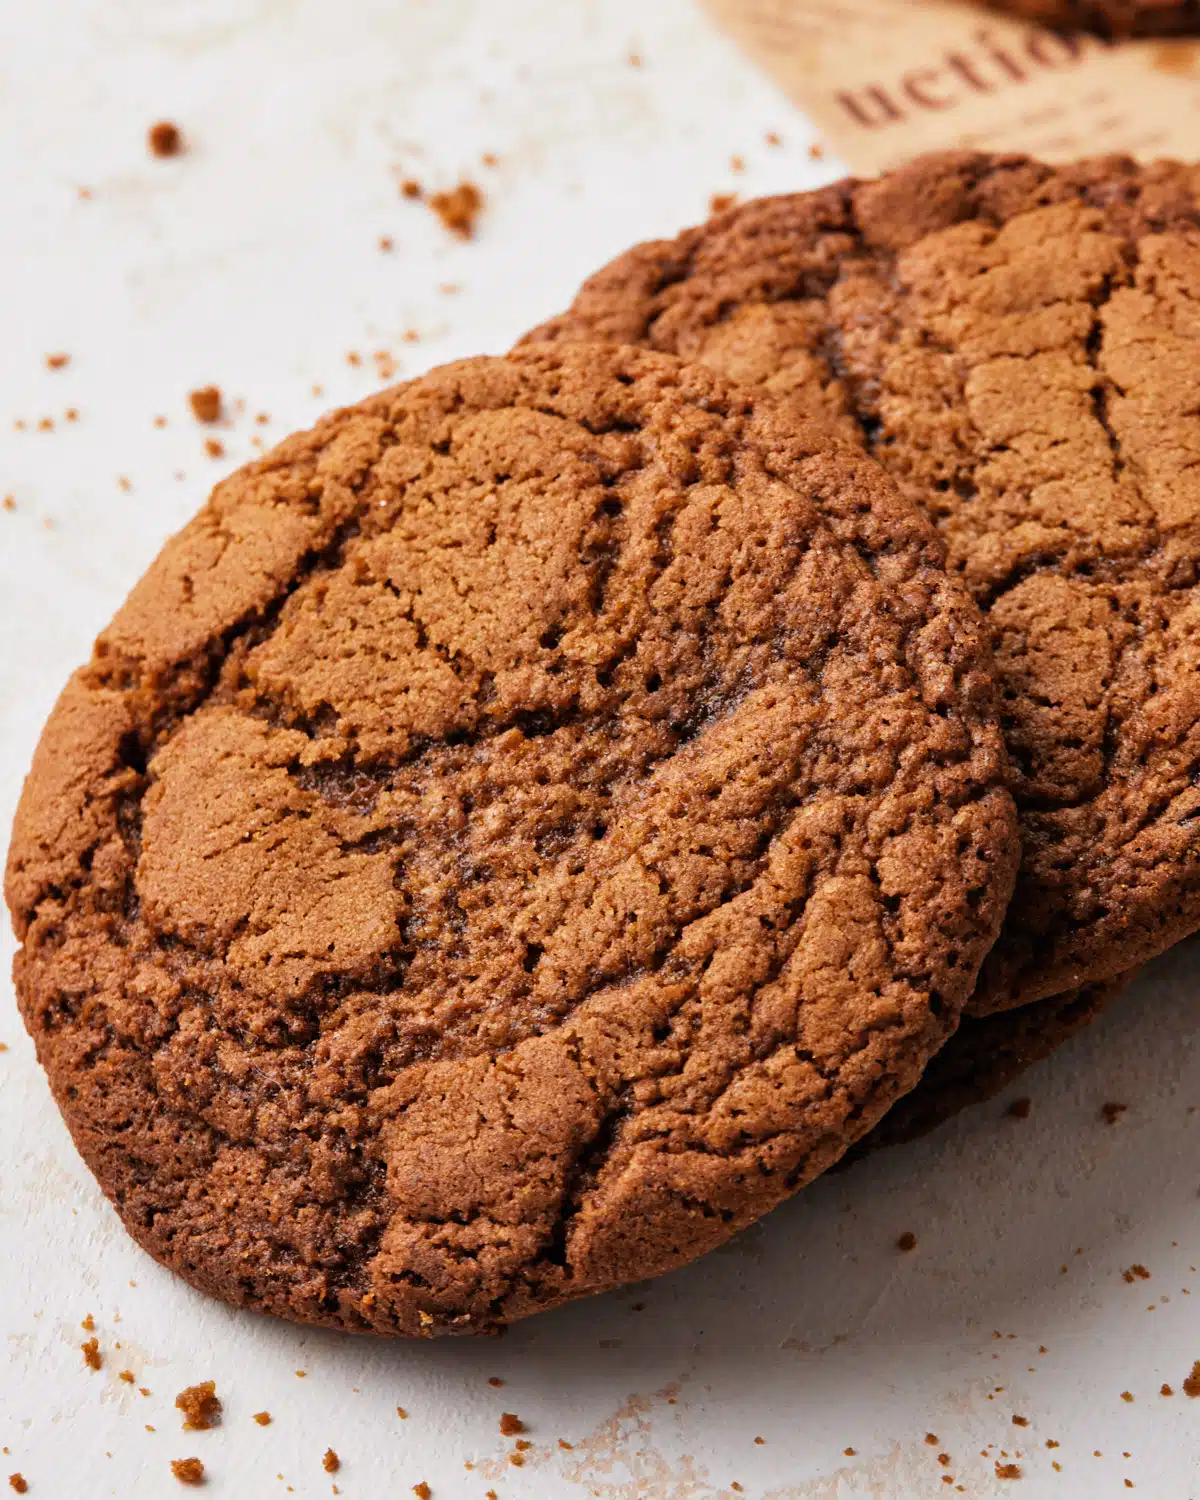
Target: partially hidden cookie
{"type": "Point", "coordinates": [1109, 18]}
{"type": "Point", "coordinates": [517, 833]}
{"type": "Point", "coordinates": [1019, 345]}
{"type": "Point", "coordinates": [984, 1056]}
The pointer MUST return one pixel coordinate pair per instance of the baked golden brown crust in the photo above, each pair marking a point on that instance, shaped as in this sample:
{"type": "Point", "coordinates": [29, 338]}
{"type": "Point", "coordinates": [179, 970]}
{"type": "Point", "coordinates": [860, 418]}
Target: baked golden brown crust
{"type": "Point", "coordinates": [517, 833]}
{"type": "Point", "coordinates": [1019, 345]}
{"type": "Point", "coordinates": [1109, 18]}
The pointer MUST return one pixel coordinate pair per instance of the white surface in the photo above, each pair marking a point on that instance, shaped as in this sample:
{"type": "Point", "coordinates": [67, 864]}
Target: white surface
{"type": "Point", "coordinates": [253, 262]}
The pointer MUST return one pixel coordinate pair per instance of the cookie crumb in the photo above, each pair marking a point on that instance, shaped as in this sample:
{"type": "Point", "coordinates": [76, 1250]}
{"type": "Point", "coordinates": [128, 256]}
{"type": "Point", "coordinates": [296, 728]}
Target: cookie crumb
{"type": "Point", "coordinates": [385, 364]}
{"type": "Point", "coordinates": [188, 1470]}
{"type": "Point", "coordinates": [459, 208]}
{"type": "Point", "coordinates": [9, 504]}
{"type": "Point", "coordinates": [57, 361]}
{"type": "Point", "coordinates": [737, 163]}
{"type": "Point", "coordinates": [495, 1382]}
{"type": "Point", "coordinates": [411, 188]}
{"type": "Point", "coordinates": [127, 1376]}
{"type": "Point", "coordinates": [18, 1482]}
{"type": "Point", "coordinates": [490, 159]}
{"type": "Point", "coordinates": [1126, 1395]}
{"type": "Point", "coordinates": [1020, 1109]}
{"type": "Point", "coordinates": [386, 243]}
{"type": "Point", "coordinates": [331, 1463]}
{"type": "Point", "coordinates": [1191, 1386]}
{"type": "Point", "coordinates": [72, 414]}
{"type": "Point", "coordinates": [510, 1424]}
{"type": "Point", "coordinates": [759, 1441]}
{"type": "Point", "coordinates": [634, 59]}
{"type": "Point", "coordinates": [165, 139]}
{"type": "Point", "coordinates": [850, 1452]}
{"type": "Point", "coordinates": [214, 448]}
{"type": "Point", "coordinates": [1166, 1390]}
{"type": "Point", "coordinates": [516, 1459]}
{"type": "Point", "coordinates": [46, 424]}
{"type": "Point", "coordinates": [263, 1418]}
{"type": "Point", "coordinates": [932, 1439]}
{"type": "Point", "coordinates": [402, 1414]}
{"type": "Point", "coordinates": [1020, 1421]}
{"type": "Point", "coordinates": [719, 202]}
{"type": "Point", "coordinates": [124, 483]}
{"type": "Point", "coordinates": [816, 151]}
{"type": "Point", "coordinates": [1136, 1273]}
{"type": "Point", "coordinates": [562, 1443]}
{"type": "Point", "coordinates": [205, 403]}
{"type": "Point", "coordinates": [907, 1241]}
{"type": "Point", "coordinates": [1007, 1471]}
{"type": "Point", "coordinates": [88, 1324]}
{"type": "Point", "coordinates": [773, 138]}
{"type": "Point", "coordinates": [1112, 1112]}
{"type": "Point", "coordinates": [200, 1405]}
{"type": "Point", "coordinates": [422, 1491]}
{"type": "Point", "coordinates": [91, 1354]}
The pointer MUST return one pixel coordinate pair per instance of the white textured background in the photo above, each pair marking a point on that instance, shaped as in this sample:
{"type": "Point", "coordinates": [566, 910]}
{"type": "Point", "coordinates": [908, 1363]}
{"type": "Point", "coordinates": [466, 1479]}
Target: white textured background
{"type": "Point", "coordinates": [253, 262]}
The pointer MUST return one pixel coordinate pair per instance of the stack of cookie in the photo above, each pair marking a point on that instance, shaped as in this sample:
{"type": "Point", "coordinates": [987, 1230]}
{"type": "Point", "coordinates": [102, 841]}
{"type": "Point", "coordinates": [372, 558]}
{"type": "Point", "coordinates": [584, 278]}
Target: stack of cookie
{"type": "Point", "coordinates": [528, 826]}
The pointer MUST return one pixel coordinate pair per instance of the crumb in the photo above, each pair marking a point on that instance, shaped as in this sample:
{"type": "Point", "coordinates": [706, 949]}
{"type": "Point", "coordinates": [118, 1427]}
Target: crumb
{"type": "Point", "coordinates": [188, 1470]}
{"type": "Point", "coordinates": [490, 159]}
{"type": "Point", "coordinates": [18, 1482]}
{"type": "Point", "coordinates": [1129, 1484]}
{"type": "Point", "coordinates": [57, 361]}
{"type": "Point", "coordinates": [317, 390]}
{"type": "Point", "coordinates": [331, 1463]}
{"type": "Point", "coordinates": [1166, 1390]}
{"type": "Point", "coordinates": [124, 483]}
{"type": "Point", "coordinates": [1020, 1109]}
{"type": "Point", "coordinates": [459, 209]}
{"type": "Point", "coordinates": [490, 1495]}
{"type": "Point", "coordinates": [734, 1485]}
{"type": "Point", "coordinates": [89, 1324]}
{"type": "Point", "coordinates": [1007, 1471]}
{"type": "Point", "coordinates": [850, 1452]}
{"type": "Point", "coordinates": [300, 1374]}
{"type": "Point", "coordinates": [634, 59]}
{"type": "Point", "coordinates": [72, 414]}
{"type": "Point", "coordinates": [200, 1405]}
{"type": "Point", "coordinates": [165, 139]}
{"type": "Point", "coordinates": [760, 1441]}
{"type": "Point", "coordinates": [510, 1424]}
{"type": "Point", "coordinates": [1136, 1273]}
{"type": "Point", "coordinates": [816, 151]}
{"type": "Point", "coordinates": [386, 242]}
{"type": "Point", "coordinates": [214, 448]}
{"type": "Point", "coordinates": [773, 138]}
{"type": "Point", "coordinates": [411, 188]}
{"type": "Point", "coordinates": [1191, 1386]}
{"type": "Point", "coordinates": [84, 193]}
{"type": "Point", "coordinates": [516, 1459]}
{"type": "Point", "coordinates": [19, 424]}
{"type": "Point", "coordinates": [263, 1418]}
{"type": "Point", "coordinates": [402, 1414]}
{"type": "Point", "coordinates": [1126, 1395]}
{"type": "Point", "coordinates": [385, 364]}
{"type": "Point", "coordinates": [142, 1391]}
{"type": "Point", "coordinates": [448, 289]}
{"type": "Point", "coordinates": [907, 1241]}
{"type": "Point", "coordinates": [127, 1376]}
{"type": "Point", "coordinates": [91, 1354]}
{"type": "Point", "coordinates": [354, 358]}
{"type": "Point", "coordinates": [1111, 1113]}
{"type": "Point", "coordinates": [637, 1307]}
{"type": "Point", "coordinates": [1050, 1443]}
{"type": "Point", "coordinates": [9, 504]}
{"type": "Point", "coordinates": [1042, 1349]}
{"type": "Point", "coordinates": [719, 202]}
{"type": "Point", "coordinates": [205, 403]}
{"type": "Point", "coordinates": [1020, 1421]}
{"type": "Point", "coordinates": [411, 336]}
{"type": "Point", "coordinates": [46, 424]}
{"type": "Point", "coordinates": [150, 1429]}
{"type": "Point", "coordinates": [562, 1443]}
{"type": "Point", "coordinates": [737, 163]}
{"type": "Point", "coordinates": [523, 1445]}
{"type": "Point", "coordinates": [1056, 1466]}
{"type": "Point", "coordinates": [932, 1439]}
{"type": "Point", "coordinates": [422, 1491]}
{"type": "Point", "coordinates": [944, 1460]}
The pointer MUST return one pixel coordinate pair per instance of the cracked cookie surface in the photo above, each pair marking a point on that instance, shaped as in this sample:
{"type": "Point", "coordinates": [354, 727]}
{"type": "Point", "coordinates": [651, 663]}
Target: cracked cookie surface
{"type": "Point", "coordinates": [516, 834]}
{"type": "Point", "coordinates": [1019, 345]}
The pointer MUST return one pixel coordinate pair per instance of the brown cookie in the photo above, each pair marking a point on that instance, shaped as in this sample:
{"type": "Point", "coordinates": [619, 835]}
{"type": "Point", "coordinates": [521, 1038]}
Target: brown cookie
{"type": "Point", "coordinates": [1020, 346]}
{"type": "Point", "coordinates": [1109, 18]}
{"type": "Point", "coordinates": [984, 1056]}
{"type": "Point", "coordinates": [516, 834]}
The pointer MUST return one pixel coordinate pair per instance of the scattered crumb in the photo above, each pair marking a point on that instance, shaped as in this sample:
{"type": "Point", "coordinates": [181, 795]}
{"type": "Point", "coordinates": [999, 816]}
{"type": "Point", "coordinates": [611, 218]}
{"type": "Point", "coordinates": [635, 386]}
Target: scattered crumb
{"type": "Point", "coordinates": [816, 151]}
{"type": "Point", "coordinates": [516, 1459]}
{"type": "Point", "coordinates": [386, 242]}
{"type": "Point", "coordinates": [214, 448]}
{"type": "Point", "coordinates": [490, 1495]}
{"type": "Point", "coordinates": [18, 1482]}
{"type": "Point", "coordinates": [124, 483]}
{"type": "Point", "coordinates": [200, 1405]}
{"type": "Point", "coordinates": [490, 159]}
{"type": "Point", "coordinates": [188, 1470]}
{"type": "Point", "coordinates": [142, 1391]}
{"type": "Point", "coordinates": [72, 414]}
{"type": "Point", "coordinates": [932, 1439]}
{"type": "Point", "coordinates": [448, 289]}
{"type": "Point", "coordinates": [46, 424]}
{"type": "Point", "coordinates": [84, 193]}
{"type": "Point", "coordinates": [773, 138]}
{"type": "Point", "coordinates": [760, 1441]}
{"type": "Point", "coordinates": [57, 361]}
{"type": "Point", "coordinates": [317, 390]}
{"type": "Point", "coordinates": [907, 1241]}
{"type": "Point", "coordinates": [634, 59]}
{"type": "Point", "coordinates": [1112, 1112]}
{"type": "Point", "coordinates": [1020, 1421]}
{"type": "Point", "coordinates": [737, 163]}
{"type": "Point", "coordinates": [944, 1460]}
{"type": "Point", "coordinates": [127, 1376]}
{"type": "Point", "coordinates": [850, 1452]}
{"type": "Point", "coordinates": [1056, 1466]}
{"type": "Point", "coordinates": [166, 139]}
{"type": "Point", "coordinates": [1136, 1273]}
{"type": "Point", "coordinates": [637, 1307]}
{"type": "Point", "coordinates": [1191, 1386]}
{"type": "Point", "coordinates": [1166, 1390]}
{"type": "Point", "coordinates": [1126, 1395]}
{"type": "Point", "coordinates": [411, 336]}
{"type": "Point", "coordinates": [1007, 1471]}
{"type": "Point", "coordinates": [734, 1485]}
{"type": "Point", "coordinates": [385, 364]}
{"type": "Point", "coordinates": [354, 358]}
{"type": "Point", "coordinates": [9, 504]}
{"type": "Point", "coordinates": [411, 188]}
{"type": "Point", "coordinates": [150, 1429]}
{"type": "Point", "coordinates": [1050, 1443]}
{"type": "Point", "coordinates": [510, 1424]}
{"type": "Point", "coordinates": [422, 1491]}
{"type": "Point", "coordinates": [89, 1324]}
{"type": "Point", "coordinates": [719, 202]}
{"type": "Point", "coordinates": [459, 208]}
{"type": "Point", "coordinates": [300, 1374]}
{"type": "Point", "coordinates": [91, 1354]}
{"type": "Point", "coordinates": [523, 1445]}
{"type": "Point", "coordinates": [1020, 1109]}
{"type": "Point", "coordinates": [562, 1443]}
{"type": "Point", "coordinates": [263, 1418]}
{"type": "Point", "coordinates": [331, 1463]}
{"type": "Point", "coordinates": [205, 403]}
{"type": "Point", "coordinates": [402, 1414]}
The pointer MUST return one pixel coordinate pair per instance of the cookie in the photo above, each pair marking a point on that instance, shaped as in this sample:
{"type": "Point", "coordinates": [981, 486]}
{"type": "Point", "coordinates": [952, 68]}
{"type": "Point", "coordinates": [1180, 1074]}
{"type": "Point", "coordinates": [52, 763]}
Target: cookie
{"type": "Point", "coordinates": [984, 1056]}
{"type": "Point", "coordinates": [1019, 345]}
{"type": "Point", "coordinates": [516, 834]}
{"type": "Point", "coordinates": [1109, 18]}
